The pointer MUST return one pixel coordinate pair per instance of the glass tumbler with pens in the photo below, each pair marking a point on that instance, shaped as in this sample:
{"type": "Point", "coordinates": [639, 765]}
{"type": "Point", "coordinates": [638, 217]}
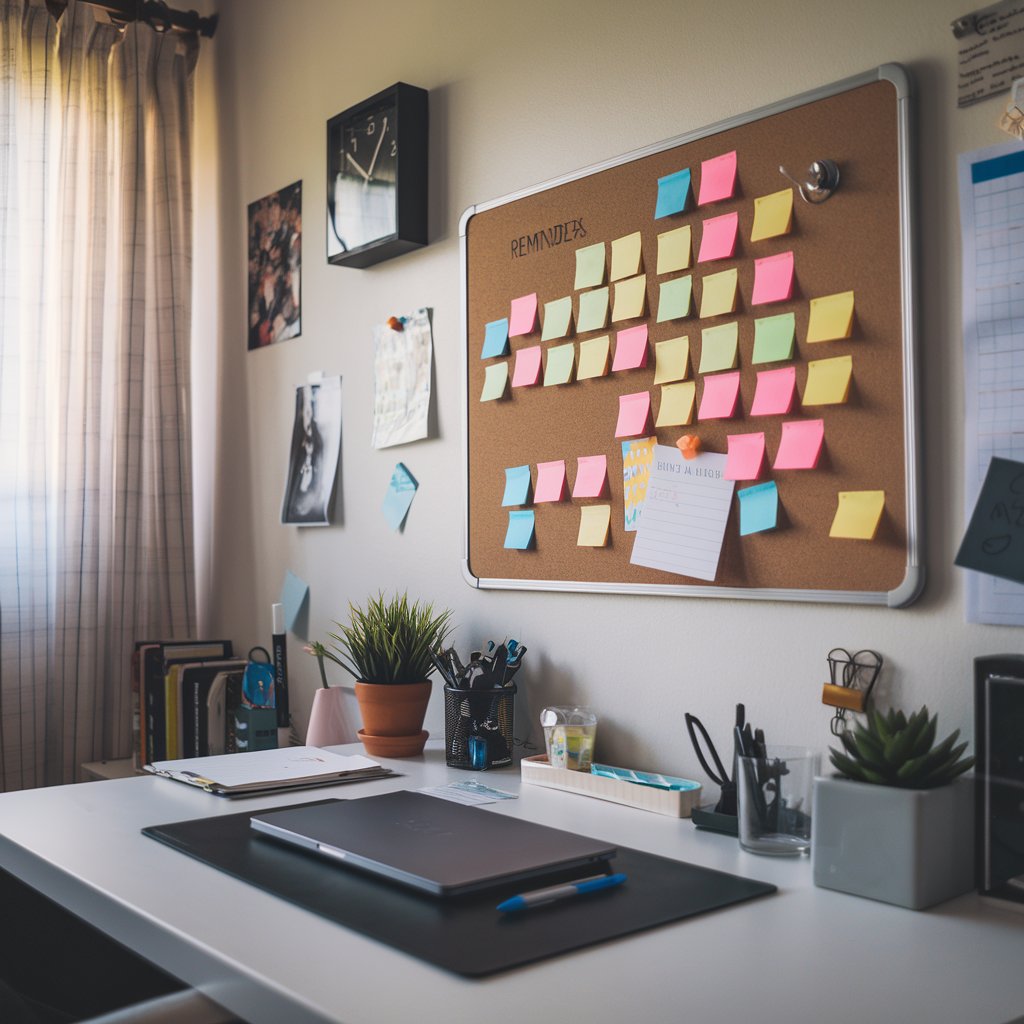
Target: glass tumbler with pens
{"type": "Point", "coordinates": [774, 787]}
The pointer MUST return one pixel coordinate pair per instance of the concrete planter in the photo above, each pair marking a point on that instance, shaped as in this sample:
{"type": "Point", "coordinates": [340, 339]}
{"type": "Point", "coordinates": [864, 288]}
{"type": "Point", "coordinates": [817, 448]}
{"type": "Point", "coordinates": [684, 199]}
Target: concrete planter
{"type": "Point", "coordinates": [911, 847]}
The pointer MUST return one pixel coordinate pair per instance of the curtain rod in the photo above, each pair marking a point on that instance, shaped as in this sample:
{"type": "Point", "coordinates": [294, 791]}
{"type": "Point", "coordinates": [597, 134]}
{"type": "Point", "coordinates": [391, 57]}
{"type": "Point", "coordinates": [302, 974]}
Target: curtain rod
{"type": "Point", "coordinates": [155, 13]}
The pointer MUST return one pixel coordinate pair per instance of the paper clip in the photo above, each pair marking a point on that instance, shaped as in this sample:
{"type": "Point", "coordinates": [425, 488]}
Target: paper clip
{"type": "Point", "coordinates": [853, 678]}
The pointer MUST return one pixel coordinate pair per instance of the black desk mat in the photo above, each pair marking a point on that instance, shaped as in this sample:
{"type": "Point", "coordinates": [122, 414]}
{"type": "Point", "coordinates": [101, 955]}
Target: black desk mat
{"type": "Point", "coordinates": [466, 935]}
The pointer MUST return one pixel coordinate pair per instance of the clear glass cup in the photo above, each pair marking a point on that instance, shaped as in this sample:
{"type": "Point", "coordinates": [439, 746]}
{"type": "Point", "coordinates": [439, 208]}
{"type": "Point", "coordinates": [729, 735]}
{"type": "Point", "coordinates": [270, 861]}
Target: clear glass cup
{"type": "Point", "coordinates": [774, 800]}
{"type": "Point", "coordinates": [569, 734]}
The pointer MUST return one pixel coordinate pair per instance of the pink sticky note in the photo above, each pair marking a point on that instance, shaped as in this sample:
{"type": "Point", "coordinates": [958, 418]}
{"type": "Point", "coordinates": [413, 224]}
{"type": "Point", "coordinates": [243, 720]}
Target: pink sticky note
{"type": "Point", "coordinates": [800, 445]}
{"type": "Point", "coordinates": [550, 481]}
{"type": "Point", "coordinates": [774, 394]}
{"type": "Point", "coordinates": [523, 318]}
{"type": "Point", "coordinates": [717, 178]}
{"type": "Point", "coordinates": [718, 240]}
{"type": "Point", "coordinates": [718, 401]}
{"type": "Point", "coordinates": [527, 369]}
{"type": "Point", "coordinates": [630, 349]}
{"type": "Point", "coordinates": [634, 412]}
{"type": "Point", "coordinates": [591, 473]}
{"type": "Point", "coordinates": [746, 454]}
{"type": "Point", "coordinates": [773, 278]}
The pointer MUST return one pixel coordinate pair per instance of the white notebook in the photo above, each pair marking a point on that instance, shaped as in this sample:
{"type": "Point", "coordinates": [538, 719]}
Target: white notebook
{"type": "Point", "coordinates": [268, 770]}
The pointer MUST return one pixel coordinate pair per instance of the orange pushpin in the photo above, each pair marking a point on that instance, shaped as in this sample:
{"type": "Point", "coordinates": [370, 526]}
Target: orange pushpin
{"type": "Point", "coordinates": [395, 324]}
{"type": "Point", "coordinates": [689, 445]}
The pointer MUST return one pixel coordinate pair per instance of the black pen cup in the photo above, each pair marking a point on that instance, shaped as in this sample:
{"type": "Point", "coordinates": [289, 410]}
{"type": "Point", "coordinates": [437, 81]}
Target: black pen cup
{"type": "Point", "coordinates": [478, 727]}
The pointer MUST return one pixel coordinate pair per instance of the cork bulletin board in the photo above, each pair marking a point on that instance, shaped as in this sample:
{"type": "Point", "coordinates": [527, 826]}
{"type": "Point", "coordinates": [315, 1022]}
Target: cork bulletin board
{"type": "Point", "coordinates": [857, 240]}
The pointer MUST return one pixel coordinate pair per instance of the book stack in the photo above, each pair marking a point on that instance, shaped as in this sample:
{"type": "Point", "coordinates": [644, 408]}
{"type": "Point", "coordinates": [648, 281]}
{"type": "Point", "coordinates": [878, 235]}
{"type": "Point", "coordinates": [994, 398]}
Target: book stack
{"type": "Point", "coordinates": [184, 693]}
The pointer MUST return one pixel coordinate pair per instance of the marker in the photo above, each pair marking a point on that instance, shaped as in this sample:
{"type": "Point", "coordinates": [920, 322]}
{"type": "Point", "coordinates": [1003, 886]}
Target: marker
{"type": "Point", "coordinates": [279, 643]}
{"type": "Point", "coordinates": [538, 897]}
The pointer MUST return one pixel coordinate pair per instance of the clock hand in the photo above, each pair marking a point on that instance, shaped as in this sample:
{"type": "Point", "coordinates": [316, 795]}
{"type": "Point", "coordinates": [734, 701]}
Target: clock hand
{"type": "Point", "coordinates": [376, 152]}
{"type": "Point", "coordinates": [348, 156]}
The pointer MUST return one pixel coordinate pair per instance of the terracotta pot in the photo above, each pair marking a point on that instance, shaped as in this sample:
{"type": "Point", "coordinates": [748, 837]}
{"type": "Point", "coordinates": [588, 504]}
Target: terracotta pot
{"type": "Point", "coordinates": [392, 711]}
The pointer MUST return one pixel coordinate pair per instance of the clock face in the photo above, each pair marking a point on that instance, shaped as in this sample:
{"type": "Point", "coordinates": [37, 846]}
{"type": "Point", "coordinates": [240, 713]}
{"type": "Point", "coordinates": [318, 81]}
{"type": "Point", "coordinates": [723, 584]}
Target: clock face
{"type": "Point", "coordinates": [364, 195]}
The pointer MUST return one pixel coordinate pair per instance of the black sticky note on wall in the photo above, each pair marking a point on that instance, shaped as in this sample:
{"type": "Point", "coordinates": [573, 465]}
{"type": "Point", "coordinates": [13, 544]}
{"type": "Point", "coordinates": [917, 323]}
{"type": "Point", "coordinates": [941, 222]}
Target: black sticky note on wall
{"type": "Point", "coordinates": [994, 541]}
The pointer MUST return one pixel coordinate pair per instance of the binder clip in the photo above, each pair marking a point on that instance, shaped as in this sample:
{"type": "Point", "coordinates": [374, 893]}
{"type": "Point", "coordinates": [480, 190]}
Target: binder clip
{"type": "Point", "coordinates": [853, 678]}
{"type": "Point", "coordinates": [822, 181]}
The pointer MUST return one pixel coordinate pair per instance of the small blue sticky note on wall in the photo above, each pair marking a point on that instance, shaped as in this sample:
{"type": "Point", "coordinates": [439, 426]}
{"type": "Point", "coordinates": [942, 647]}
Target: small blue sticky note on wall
{"type": "Point", "coordinates": [517, 486]}
{"type": "Point", "coordinates": [520, 530]}
{"type": "Point", "coordinates": [673, 191]}
{"type": "Point", "coordinates": [293, 596]}
{"type": "Point", "coordinates": [495, 339]}
{"type": "Point", "coordinates": [401, 491]}
{"type": "Point", "coordinates": [759, 508]}
{"type": "Point", "coordinates": [994, 540]}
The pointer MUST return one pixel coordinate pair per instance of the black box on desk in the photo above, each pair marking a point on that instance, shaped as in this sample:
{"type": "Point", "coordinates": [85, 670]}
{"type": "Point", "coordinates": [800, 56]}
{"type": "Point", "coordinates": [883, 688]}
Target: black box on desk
{"type": "Point", "coordinates": [999, 770]}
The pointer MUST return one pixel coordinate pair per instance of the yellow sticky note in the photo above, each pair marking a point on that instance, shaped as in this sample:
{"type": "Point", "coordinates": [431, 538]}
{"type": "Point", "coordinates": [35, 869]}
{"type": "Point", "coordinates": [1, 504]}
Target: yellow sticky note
{"type": "Point", "coordinates": [594, 523]}
{"type": "Point", "coordinates": [719, 347]}
{"type": "Point", "coordinates": [831, 317]}
{"type": "Point", "coordinates": [557, 318]}
{"type": "Point", "coordinates": [495, 381]}
{"type": "Point", "coordinates": [593, 358]}
{"type": "Point", "coordinates": [773, 215]}
{"type": "Point", "coordinates": [674, 250]}
{"type": "Point", "coordinates": [672, 360]}
{"type": "Point", "coordinates": [590, 266]}
{"type": "Point", "coordinates": [630, 298]}
{"type": "Point", "coordinates": [593, 312]}
{"type": "Point", "coordinates": [858, 514]}
{"type": "Point", "coordinates": [676, 409]}
{"type": "Point", "coordinates": [558, 369]}
{"type": "Point", "coordinates": [719, 293]}
{"type": "Point", "coordinates": [625, 256]}
{"type": "Point", "coordinates": [828, 381]}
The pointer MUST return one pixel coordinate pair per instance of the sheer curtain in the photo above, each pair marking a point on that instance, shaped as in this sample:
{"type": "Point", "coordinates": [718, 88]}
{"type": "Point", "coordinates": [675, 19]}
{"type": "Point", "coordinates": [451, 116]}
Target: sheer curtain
{"type": "Point", "coordinates": [95, 476]}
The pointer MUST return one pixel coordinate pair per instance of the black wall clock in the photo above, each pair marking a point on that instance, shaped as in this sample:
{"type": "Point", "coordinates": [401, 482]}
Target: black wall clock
{"type": "Point", "coordinates": [377, 178]}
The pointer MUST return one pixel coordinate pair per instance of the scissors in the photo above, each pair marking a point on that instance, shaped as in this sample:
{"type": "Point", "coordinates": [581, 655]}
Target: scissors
{"type": "Point", "coordinates": [727, 801]}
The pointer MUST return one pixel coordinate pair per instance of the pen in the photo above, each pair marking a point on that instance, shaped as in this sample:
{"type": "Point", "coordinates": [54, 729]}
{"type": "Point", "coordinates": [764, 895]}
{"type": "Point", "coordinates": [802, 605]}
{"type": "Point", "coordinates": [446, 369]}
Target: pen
{"type": "Point", "coordinates": [539, 897]}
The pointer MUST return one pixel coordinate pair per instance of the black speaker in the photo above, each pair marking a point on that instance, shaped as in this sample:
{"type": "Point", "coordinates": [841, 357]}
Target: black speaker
{"type": "Point", "coordinates": [999, 771]}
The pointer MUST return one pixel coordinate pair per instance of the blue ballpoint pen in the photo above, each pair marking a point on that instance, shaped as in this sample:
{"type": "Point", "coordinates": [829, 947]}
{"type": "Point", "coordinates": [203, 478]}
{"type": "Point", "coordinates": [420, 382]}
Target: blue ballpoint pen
{"type": "Point", "coordinates": [560, 892]}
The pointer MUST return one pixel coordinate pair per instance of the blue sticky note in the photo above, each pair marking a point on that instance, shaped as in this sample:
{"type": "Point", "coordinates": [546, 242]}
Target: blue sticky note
{"type": "Point", "coordinates": [517, 486]}
{"type": "Point", "coordinates": [401, 491]}
{"type": "Point", "coordinates": [520, 530]}
{"type": "Point", "coordinates": [759, 508]}
{"type": "Point", "coordinates": [673, 191]}
{"type": "Point", "coordinates": [293, 595]}
{"type": "Point", "coordinates": [495, 339]}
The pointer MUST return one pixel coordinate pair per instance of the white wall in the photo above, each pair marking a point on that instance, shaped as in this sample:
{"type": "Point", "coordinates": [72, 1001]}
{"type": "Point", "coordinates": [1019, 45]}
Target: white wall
{"type": "Point", "coordinates": [520, 93]}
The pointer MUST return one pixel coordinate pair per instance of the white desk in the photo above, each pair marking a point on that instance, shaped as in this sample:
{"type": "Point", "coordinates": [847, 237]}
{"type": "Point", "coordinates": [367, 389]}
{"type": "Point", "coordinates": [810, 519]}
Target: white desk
{"type": "Point", "coordinates": [802, 955]}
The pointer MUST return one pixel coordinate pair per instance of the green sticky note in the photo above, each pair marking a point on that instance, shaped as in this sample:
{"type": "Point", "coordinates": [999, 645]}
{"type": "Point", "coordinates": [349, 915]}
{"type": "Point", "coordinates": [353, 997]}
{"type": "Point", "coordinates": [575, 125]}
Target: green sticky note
{"type": "Point", "coordinates": [557, 316]}
{"type": "Point", "coordinates": [559, 365]}
{"type": "Point", "coordinates": [593, 312]}
{"type": "Point", "coordinates": [994, 541]}
{"type": "Point", "coordinates": [590, 266]}
{"type": "Point", "coordinates": [773, 338]}
{"type": "Point", "coordinates": [495, 381]}
{"type": "Point", "coordinates": [593, 357]}
{"type": "Point", "coordinates": [718, 347]}
{"type": "Point", "coordinates": [674, 298]}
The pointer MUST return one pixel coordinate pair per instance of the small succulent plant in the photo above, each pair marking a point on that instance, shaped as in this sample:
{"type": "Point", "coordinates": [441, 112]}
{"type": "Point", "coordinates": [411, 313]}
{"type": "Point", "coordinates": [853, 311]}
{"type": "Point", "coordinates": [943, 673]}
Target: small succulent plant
{"type": "Point", "coordinates": [893, 750]}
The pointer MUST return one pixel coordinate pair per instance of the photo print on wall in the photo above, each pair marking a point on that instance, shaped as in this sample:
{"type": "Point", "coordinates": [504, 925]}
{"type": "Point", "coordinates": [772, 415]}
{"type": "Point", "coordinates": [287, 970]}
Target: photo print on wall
{"type": "Point", "coordinates": [275, 263]}
{"type": "Point", "coordinates": [313, 455]}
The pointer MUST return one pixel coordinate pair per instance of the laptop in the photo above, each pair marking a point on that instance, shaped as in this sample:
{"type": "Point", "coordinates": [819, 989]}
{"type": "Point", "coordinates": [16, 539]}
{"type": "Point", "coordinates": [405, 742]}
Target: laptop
{"type": "Point", "coordinates": [433, 845]}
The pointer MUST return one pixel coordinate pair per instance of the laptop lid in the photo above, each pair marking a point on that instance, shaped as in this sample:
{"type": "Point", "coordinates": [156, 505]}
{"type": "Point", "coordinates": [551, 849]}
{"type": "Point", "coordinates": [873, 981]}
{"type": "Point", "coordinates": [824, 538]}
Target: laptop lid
{"type": "Point", "coordinates": [432, 844]}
